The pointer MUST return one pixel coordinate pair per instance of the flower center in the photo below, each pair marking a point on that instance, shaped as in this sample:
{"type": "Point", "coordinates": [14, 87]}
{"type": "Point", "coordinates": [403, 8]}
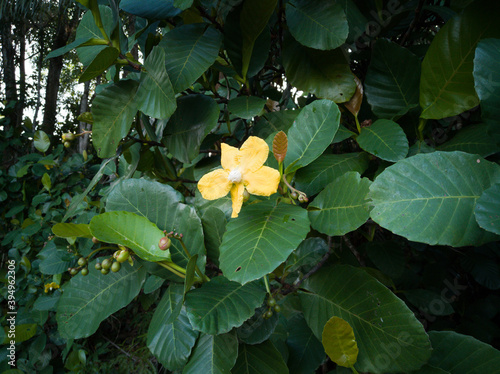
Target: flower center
{"type": "Point", "coordinates": [235, 176]}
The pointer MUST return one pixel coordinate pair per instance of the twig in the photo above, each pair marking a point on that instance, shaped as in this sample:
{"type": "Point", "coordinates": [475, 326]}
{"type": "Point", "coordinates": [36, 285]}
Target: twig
{"type": "Point", "coordinates": [413, 23]}
{"type": "Point", "coordinates": [204, 13]}
{"type": "Point", "coordinates": [121, 350]}
{"type": "Point", "coordinates": [354, 251]}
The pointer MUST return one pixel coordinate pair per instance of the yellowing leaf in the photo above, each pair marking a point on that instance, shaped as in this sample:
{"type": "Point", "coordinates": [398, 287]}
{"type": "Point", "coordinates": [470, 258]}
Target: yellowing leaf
{"type": "Point", "coordinates": [339, 342]}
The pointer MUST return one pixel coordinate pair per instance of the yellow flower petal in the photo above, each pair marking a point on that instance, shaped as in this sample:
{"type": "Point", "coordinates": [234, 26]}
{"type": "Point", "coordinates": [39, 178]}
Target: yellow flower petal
{"type": "Point", "coordinates": [214, 185]}
{"type": "Point", "coordinates": [253, 154]}
{"type": "Point", "coordinates": [229, 156]}
{"type": "Point", "coordinates": [237, 198]}
{"type": "Point", "coordinates": [263, 182]}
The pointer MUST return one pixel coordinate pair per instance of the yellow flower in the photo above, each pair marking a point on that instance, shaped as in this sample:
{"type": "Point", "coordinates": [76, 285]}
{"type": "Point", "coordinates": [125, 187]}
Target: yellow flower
{"type": "Point", "coordinates": [241, 169]}
{"type": "Point", "coordinates": [51, 287]}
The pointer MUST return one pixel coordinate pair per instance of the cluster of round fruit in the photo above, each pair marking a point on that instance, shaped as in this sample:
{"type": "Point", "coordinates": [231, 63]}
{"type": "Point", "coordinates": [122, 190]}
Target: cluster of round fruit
{"type": "Point", "coordinates": [67, 139]}
{"type": "Point", "coordinates": [272, 306]}
{"type": "Point", "coordinates": [108, 264]}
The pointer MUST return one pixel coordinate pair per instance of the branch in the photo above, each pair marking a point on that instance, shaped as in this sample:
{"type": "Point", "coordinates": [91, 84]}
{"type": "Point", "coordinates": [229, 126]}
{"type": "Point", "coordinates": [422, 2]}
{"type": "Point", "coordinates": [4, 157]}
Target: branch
{"type": "Point", "coordinates": [413, 23]}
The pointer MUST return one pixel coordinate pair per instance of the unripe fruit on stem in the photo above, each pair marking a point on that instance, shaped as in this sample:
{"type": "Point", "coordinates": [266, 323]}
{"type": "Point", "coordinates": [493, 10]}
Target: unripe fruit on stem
{"type": "Point", "coordinates": [95, 240]}
{"type": "Point", "coordinates": [268, 314]}
{"type": "Point", "coordinates": [98, 266]}
{"type": "Point", "coordinates": [277, 308]}
{"type": "Point", "coordinates": [82, 261]}
{"type": "Point", "coordinates": [116, 267]}
{"type": "Point", "coordinates": [104, 271]}
{"type": "Point", "coordinates": [106, 264]}
{"type": "Point", "coordinates": [294, 195]}
{"type": "Point", "coordinates": [271, 302]}
{"type": "Point", "coordinates": [67, 144]}
{"type": "Point", "coordinates": [73, 271]}
{"type": "Point", "coordinates": [303, 198]}
{"type": "Point", "coordinates": [164, 243]}
{"type": "Point", "coordinates": [122, 256]}
{"type": "Point", "coordinates": [68, 136]}
{"type": "Point", "coordinates": [85, 271]}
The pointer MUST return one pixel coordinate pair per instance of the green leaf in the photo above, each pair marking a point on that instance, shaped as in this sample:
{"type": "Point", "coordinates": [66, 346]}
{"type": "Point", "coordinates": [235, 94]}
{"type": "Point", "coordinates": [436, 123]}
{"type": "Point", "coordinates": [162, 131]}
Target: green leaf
{"type": "Point", "coordinates": [130, 230]}
{"type": "Point", "coordinates": [339, 342]}
{"type": "Point", "coordinates": [87, 30]}
{"type": "Point", "coordinates": [487, 209]}
{"type": "Point", "coordinates": [326, 168]}
{"type": "Point", "coordinates": [430, 198]}
{"type": "Point", "coordinates": [214, 225]}
{"type": "Point", "coordinates": [41, 141]}
{"type": "Point", "coordinates": [274, 122]}
{"type": "Point", "coordinates": [61, 51]}
{"type": "Point", "coordinates": [163, 206]}
{"type": "Point", "coordinates": [487, 78]}
{"type": "Point", "coordinates": [306, 352]}
{"type": "Point", "coordinates": [54, 260]}
{"type": "Point", "coordinates": [213, 354]}
{"type": "Point", "coordinates": [155, 95]}
{"type": "Point", "coordinates": [482, 264]}
{"type": "Point", "coordinates": [389, 337]}
{"type": "Point", "coordinates": [89, 300]}
{"type": "Point", "coordinates": [311, 133]}
{"type": "Point", "coordinates": [246, 107]}
{"type": "Point", "coordinates": [384, 139]}
{"type": "Point", "coordinates": [46, 182]}
{"type": "Point", "coordinates": [219, 305]}
{"type": "Point", "coordinates": [153, 283]}
{"type": "Point", "coordinates": [47, 302]}
{"type": "Point", "coordinates": [152, 9]}
{"type": "Point", "coordinates": [429, 302]}
{"type": "Point", "coordinates": [307, 255]}
{"type": "Point", "coordinates": [72, 230]}
{"type": "Point", "coordinates": [260, 239]}
{"type": "Point", "coordinates": [195, 117]}
{"type": "Point", "coordinates": [25, 332]}
{"type": "Point", "coordinates": [257, 329]}
{"type": "Point", "coordinates": [259, 359]}
{"type": "Point", "coordinates": [342, 206]}
{"type": "Point", "coordinates": [170, 335]}
{"type": "Point", "coordinates": [447, 83]}
{"type": "Point", "coordinates": [320, 24]}
{"type": "Point", "coordinates": [462, 354]}
{"type": "Point", "coordinates": [323, 73]}
{"type": "Point", "coordinates": [190, 50]}
{"type": "Point", "coordinates": [254, 17]}
{"type": "Point", "coordinates": [100, 64]}
{"type": "Point", "coordinates": [392, 80]}
{"type": "Point", "coordinates": [472, 139]}
{"type": "Point", "coordinates": [113, 109]}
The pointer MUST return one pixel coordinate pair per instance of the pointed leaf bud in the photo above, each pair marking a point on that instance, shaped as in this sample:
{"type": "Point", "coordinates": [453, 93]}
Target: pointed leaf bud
{"type": "Point", "coordinates": [280, 146]}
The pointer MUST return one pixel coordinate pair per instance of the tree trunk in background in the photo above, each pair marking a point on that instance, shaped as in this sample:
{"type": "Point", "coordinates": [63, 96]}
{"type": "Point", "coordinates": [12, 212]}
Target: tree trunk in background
{"type": "Point", "coordinates": [9, 72]}
{"type": "Point", "coordinates": [39, 66]}
{"type": "Point", "coordinates": [83, 141]}
{"type": "Point", "coordinates": [64, 31]}
{"type": "Point", "coordinates": [21, 28]}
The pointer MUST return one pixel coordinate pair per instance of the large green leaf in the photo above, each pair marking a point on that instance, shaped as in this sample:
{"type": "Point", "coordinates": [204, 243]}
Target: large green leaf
{"type": "Point", "coordinates": [260, 239]}
{"type": "Point", "coordinates": [190, 50]}
{"type": "Point", "coordinates": [384, 139]}
{"type": "Point", "coordinates": [392, 80]}
{"type": "Point", "coordinates": [195, 117]}
{"type": "Point", "coordinates": [87, 30]}
{"type": "Point", "coordinates": [254, 17]}
{"type": "Point", "coordinates": [326, 168]}
{"type": "Point", "coordinates": [155, 95]}
{"type": "Point", "coordinates": [162, 205]}
{"type": "Point", "coordinates": [259, 359]}
{"type": "Point", "coordinates": [447, 83]}
{"type": "Point", "coordinates": [214, 225]}
{"type": "Point", "coordinates": [219, 305]}
{"type": "Point", "coordinates": [55, 260]}
{"type": "Point", "coordinates": [472, 139]}
{"type": "Point", "coordinates": [152, 9]}
{"type": "Point", "coordinates": [100, 64]}
{"type": "Point", "coordinates": [41, 141]}
{"type": "Point", "coordinates": [389, 337]}
{"type": "Point", "coordinates": [318, 24]}
{"type": "Point", "coordinates": [130, 230]}
{"type": "Point", "coordinates": [323, 73]}
{"type": "Point", "coordinates": [430, 198]}
{"type": "Point", "coordinates": [311, 133]}
{"type": "Point", "coordinates": [213, 354]}
{"type": "Point", "coordinates": [113, 109]}
{"type": "Point", "coordinates": [306, 352]}
{"type": "Point", "coordinates": [462, 354]}
{"type": "Point", "coordinates": [307, 255]}
{"type": "Point", "coordinates": [258, 328]}
{"type": "Point", "coordinates": [71, 230]}
{"type": "Point", "coordinates": [170, 336]}
{"type": "Point", "coordinates": [88, 300]}
{"type": "Point", "coordinates": [487, 209]}
{"type": "Point", "coordinates": [246, 107]}
{"type": "Point", "coordinates": [487, 78]}
{"type": "Point", "coordinates": [342, 206]}
{"type": "Point", "coordinates": [339, 342]}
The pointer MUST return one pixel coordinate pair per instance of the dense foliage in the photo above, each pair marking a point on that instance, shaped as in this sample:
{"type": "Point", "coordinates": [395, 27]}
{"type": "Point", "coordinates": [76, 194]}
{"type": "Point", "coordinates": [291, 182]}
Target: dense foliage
{"type": "Point", "coordinates": [274, 186]}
